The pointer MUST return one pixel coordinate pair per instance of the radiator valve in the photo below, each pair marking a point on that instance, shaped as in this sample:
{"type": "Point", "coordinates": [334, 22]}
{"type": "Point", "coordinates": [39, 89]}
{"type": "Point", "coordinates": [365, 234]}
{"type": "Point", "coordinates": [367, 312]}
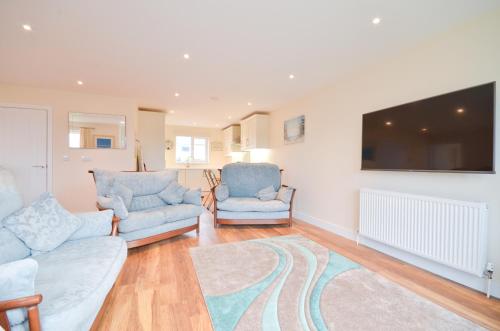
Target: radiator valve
{"type": "Point", "coordinates": [489, 268]}
{"type": "Point", "coordinates": [489, 274]}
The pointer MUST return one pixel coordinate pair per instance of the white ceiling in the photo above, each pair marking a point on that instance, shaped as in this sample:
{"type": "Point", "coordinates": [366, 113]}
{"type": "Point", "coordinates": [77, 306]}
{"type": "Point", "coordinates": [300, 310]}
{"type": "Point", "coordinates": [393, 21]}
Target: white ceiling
{"type": "Point", "coordinates": [240, 51]}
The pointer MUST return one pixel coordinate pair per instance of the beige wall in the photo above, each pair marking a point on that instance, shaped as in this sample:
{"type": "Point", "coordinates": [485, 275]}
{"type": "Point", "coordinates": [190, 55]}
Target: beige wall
{"type": "Point", "coordinates": [326, 167]}
{"type": "Point", "coordinates": [151, 134]}
{"type": "Point", "coordinates": [72, 185]}
{"type": "Point", "coordinates": [217, 158]}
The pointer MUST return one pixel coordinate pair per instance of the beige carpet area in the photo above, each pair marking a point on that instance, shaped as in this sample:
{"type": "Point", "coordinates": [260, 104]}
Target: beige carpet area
{"type": "Point", "coordinates": [293, 283]}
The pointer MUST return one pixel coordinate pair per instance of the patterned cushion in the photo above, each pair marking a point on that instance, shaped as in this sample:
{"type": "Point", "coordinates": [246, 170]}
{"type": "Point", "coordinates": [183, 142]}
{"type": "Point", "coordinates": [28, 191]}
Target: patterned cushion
{"type": "Point", "coordinates": [221, 192]}
{"type": "Point", "coordinates": [267, 193]}
{"type": "Point", "coordinates": [17, 280]}
{"type": "Point", "coordinates": [94, 224]}
{"type": "Point", "coordinates": [173, 193]}
{"type": "Point", "coordinates": [116, 203]}
{"type": "Point", "coordinates": [285, 194]}
{"type": "Point", "coordinates": [193, 197]}
{"type": "Point", "coordinates": [123, 192]}
{"type": "Point", "coordinates": [43, 225]}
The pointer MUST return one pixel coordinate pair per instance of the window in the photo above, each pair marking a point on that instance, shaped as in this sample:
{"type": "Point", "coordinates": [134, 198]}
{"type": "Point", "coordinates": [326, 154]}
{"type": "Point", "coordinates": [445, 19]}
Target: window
{"type": "Point", "coordinates": [191, 149]}
{"type": "Point", "coordinates": [74, 138]}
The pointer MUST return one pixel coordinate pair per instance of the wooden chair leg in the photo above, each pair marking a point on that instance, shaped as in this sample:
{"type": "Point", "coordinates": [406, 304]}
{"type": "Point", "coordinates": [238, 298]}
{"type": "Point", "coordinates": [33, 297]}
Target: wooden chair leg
{"type": "Point", "coordinates": [4, 321]}
{"type": "Point", "coordinates": [34, 318]}
{"type": "Point", "coordinates": [198, 225]}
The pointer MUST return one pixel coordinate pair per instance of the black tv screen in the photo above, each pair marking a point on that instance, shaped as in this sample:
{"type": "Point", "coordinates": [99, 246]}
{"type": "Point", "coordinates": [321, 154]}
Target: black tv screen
{"type": "Point", "coordinates": [450, 132]}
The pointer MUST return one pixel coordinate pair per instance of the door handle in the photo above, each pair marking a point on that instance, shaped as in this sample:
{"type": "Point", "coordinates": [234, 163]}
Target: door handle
{"type": "Point", "coordinates": [39, 166]}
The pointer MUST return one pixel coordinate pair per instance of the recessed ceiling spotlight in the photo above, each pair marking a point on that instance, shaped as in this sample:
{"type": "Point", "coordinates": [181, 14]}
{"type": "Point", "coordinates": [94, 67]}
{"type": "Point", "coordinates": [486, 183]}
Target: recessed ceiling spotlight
{"type": "Point", "coordinates": [460, 110]}
{"type": "Point", "coordinates": [217, 125]}
{"type": "Point", "coordinates": [186, 56]}
{"type": "Point", "coordinates": [27, 27]}
{"type": "Point", "coordinates": [176, 94]}
{"type": "Point", "coordinates": [229, 117]}
{"type": "Point", "coordinates": [171, 111]}
{"type": "Point", "coordinates": [388, 123]}
{"type": "Point", "coordinates": [424, 129]}
{"type": "Point", "coordinates": [249, 103]}
{"type": "Point", "coordinates": [79, 82]}
{"type": "Point", "coordinates": [291, 76]}
{"type": "Point", "coordinates": [376, 20]}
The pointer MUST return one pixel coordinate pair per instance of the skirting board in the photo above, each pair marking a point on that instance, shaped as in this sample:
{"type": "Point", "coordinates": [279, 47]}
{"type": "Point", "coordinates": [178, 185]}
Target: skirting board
{"type": "Point", "coordinates": [457, 276]}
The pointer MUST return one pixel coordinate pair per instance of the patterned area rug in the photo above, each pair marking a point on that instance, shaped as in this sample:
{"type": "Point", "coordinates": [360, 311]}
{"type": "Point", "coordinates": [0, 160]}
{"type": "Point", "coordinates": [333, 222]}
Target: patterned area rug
{"type": "Point", "coordinates": [292, 283]}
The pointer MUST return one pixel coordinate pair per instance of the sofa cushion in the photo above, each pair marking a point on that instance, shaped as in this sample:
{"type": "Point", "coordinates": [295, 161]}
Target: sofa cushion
{"type": "Point", "coordinates": [10, 197]}
{"type": "Point", "coordinates": [252, 204]}
{"type": "Point", "coordinates": [221, 192]}
{"type": "Point", "coordinates": [141, 183]}
{"type": "Point", "coordinates": [146, 202]}
{"type": "Point", "coordinates": [173, 193]}
{"type": "Point", "coordinates": [149, 218]}
{"type": "Point", "coordinates": [11, 248]}
{"type": "Point", "coordinates": [17, 280]}
{"type": "Point", "coordinates": [267, 193]}
{"type": "Point", "coordinates": [246, 179]}
{"type": "Point", "coordinates": [285, 194]}
{"type": "Point", "coordinates": [43, 225]}
{"type": "Point", "coordinates": [122, 191]}
{"type": "Point", "coordinates": [115, 203]}
{"type": "Point", "coordinates": [192, 197]}
{"type": "Point", "coordinates": [94, 224]}
{"type": "Point", "coordinates": [74, 280]}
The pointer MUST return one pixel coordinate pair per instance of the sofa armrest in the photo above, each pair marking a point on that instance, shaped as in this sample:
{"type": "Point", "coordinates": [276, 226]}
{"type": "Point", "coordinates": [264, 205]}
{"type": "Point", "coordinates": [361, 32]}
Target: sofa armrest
{"type": "Point", "coordinates": [215, 204]}
{"type": "Point", "coordinates": [17, 292]}
{"type": "Point", "coordinates": [94, 224]}
{"type": "Point", "coordinates": [114, 221]}
{"type": "Point", "coordinates": [30, 303]}
{"type": "Point", "coordinates": [293, 196]}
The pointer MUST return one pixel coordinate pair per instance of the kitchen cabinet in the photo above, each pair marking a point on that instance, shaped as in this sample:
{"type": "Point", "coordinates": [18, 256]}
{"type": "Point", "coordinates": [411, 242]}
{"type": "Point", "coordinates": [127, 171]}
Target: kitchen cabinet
{"type": "Point", "coordinates": [255, 132]}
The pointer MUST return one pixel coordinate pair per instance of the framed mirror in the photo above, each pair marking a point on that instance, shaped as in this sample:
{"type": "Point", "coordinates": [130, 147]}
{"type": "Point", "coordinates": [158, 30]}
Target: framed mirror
{"type": "Point", "coordinates": [101, 131]}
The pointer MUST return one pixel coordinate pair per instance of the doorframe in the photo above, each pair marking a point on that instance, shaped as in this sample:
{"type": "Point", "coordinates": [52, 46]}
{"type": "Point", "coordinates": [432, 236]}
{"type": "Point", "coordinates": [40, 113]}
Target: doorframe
{"type": "Point", "coordinates": [49, 136]}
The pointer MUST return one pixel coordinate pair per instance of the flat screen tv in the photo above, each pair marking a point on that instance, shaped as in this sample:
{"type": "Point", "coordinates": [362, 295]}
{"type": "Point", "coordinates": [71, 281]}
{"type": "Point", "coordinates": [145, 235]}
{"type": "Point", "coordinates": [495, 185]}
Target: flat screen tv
{"type": "Point", "coordinates": [453, 132]}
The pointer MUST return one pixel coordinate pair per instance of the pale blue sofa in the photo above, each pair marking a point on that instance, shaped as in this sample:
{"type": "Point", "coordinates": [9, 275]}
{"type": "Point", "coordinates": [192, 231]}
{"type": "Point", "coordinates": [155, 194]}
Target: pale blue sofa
{"type": "Point", "coordinates": [148, 217]}
{"type": "Point", "coordinates": [66, 286]}
{"type": "Point", "coordinates": [242, 207]}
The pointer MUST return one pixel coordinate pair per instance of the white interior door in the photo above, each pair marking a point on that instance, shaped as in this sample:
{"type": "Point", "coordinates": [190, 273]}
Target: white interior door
{"type": "Point", "coordinates": [24, 148]}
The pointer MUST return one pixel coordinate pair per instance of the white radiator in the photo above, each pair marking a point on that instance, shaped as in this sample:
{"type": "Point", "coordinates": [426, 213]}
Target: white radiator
{"type": "Point", "coordinates": [450, 232]}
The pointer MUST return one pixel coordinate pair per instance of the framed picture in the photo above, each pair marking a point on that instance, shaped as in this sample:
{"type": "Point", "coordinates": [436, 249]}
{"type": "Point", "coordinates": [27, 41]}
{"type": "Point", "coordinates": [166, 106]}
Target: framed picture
{"type": "Point", "coordinates": [103, 141]}
{"type": "Point", "coordinates": [294, 130]}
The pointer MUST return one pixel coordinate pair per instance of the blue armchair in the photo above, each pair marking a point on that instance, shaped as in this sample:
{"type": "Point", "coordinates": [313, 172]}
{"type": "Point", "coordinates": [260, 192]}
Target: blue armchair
{"type": "Point", "coordinates": [237, 199]}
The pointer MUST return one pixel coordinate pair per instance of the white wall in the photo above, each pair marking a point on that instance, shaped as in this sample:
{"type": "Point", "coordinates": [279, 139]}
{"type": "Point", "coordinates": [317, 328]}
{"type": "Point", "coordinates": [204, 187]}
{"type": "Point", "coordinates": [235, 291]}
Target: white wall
{"type": "Point", "coordinates": [151, 134]}
{"type": "Point", "coordinates": [217, 158]}
{"type": "Point", "coordinates": [326, 167]}
{"type": "Point", "coordinates": [73, 186]}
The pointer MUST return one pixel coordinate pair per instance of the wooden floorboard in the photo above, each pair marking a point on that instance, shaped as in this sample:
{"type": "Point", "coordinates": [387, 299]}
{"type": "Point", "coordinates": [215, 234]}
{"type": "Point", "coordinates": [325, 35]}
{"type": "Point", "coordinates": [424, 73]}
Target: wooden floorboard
{"type": "Point", "coordinates": [158, 290]}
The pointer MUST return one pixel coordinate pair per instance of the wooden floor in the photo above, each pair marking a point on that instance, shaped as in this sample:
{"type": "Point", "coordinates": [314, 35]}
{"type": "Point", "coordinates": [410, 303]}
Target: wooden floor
{"type": "Point", "coordinates": [158, 290]}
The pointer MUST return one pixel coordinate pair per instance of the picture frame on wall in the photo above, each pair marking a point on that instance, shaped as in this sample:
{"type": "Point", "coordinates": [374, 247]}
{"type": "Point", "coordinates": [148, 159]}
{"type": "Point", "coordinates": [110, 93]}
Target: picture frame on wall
{"type": "Point", "coordinates": [294, 130]}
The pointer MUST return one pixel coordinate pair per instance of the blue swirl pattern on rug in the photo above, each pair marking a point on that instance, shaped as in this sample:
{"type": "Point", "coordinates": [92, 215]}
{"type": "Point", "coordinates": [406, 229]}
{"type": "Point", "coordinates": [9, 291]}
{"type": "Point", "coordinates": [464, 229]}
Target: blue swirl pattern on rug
{"type": "Point", "coordinates": [227, 310]}
{"type": "Point", "coordinates": [337, 264]}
